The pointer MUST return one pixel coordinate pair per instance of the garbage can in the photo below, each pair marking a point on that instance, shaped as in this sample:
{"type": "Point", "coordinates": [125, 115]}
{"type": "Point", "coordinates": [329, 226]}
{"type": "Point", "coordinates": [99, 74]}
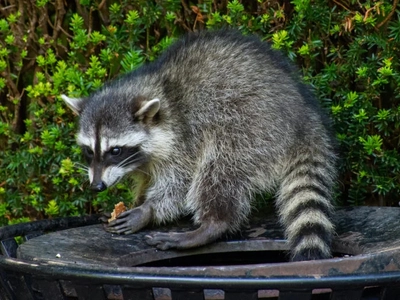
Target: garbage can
{"type": "Point", "coordinates": [74, 258]}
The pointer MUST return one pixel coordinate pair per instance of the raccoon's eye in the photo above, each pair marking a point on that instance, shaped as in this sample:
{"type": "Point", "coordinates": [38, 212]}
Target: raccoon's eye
{"type": "Point", "coordinates": [116, 151]}
{"type": "Point", "coordinates": [87, 151]}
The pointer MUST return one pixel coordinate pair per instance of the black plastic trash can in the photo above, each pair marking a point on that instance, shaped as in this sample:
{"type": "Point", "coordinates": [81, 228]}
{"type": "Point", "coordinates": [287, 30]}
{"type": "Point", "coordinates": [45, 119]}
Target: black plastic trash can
{"type": "Point", "coordinates": [74, 258]}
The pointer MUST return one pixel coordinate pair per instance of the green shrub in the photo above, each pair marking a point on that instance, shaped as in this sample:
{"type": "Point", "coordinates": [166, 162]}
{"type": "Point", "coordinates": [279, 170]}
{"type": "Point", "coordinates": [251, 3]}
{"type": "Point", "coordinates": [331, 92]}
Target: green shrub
{"type": "Point", "coordinates": [41, 172]}
{"type": "Point", "coordinates": [350, 54]}
{"type": "Point", "coordinates": [348, 51]}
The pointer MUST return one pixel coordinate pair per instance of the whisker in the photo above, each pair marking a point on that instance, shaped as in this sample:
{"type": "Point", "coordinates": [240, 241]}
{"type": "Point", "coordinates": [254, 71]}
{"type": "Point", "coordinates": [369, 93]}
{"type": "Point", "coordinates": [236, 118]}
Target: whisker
{"type": "Point", "coordinates": [85, 184]}
{"type": "Point", "coordinates": [81, 166]}
{"type": "Point", "coordinates": [84, 171]}
{"type": "Point", "coordinates": [145, 173]}
{"type": "Point", "coordinates": [125, 161]}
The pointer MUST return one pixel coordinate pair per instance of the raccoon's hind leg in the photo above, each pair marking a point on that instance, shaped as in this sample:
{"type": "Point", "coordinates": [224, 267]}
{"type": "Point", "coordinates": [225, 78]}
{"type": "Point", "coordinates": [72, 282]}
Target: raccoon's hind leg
{"type": "Point", "coordinates": [219, 199]}
{"type": "Point", "coordinates": [207, 232]}
{"type": "Point", "coordinates": [305, 204]}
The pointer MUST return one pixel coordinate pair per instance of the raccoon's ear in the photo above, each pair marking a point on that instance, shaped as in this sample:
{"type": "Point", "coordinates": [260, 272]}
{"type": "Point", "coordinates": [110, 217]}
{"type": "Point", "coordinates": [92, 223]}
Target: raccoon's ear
{"type": "Point", "coordinates": [74, 103]}
{"type": "Point", "coordinates": [148, 109]}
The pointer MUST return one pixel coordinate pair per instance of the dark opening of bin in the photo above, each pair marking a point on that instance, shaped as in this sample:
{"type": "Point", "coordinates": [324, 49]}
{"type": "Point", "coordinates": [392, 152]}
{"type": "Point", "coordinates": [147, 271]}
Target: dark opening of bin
{"type": "Point", "coordinates": [225, 258]}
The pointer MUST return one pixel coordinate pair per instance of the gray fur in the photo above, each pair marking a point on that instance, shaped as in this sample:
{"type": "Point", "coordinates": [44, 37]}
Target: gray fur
{"type": "Point", "coordinates": [217, 118]}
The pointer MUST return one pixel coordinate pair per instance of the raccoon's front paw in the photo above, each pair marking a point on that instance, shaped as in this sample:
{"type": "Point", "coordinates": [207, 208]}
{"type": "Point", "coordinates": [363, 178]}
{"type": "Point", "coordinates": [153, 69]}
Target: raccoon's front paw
{"type": "Point", "coordinates": [104, 217]}
{"type": "Point", "coordinates": [165, 241]}
{"type": "Point", "coordinates": [129, 222]}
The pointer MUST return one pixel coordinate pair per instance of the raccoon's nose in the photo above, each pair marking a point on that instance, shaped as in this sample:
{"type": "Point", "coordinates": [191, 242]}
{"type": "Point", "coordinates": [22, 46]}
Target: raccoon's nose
{"type": "Point", "coordinates": [98, 186]}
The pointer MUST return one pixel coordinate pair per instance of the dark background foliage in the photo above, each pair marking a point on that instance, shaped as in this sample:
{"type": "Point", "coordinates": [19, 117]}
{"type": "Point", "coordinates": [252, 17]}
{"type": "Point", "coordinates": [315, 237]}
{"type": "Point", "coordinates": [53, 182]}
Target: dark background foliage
{"type": "Point", "coordinates": [347, 50]}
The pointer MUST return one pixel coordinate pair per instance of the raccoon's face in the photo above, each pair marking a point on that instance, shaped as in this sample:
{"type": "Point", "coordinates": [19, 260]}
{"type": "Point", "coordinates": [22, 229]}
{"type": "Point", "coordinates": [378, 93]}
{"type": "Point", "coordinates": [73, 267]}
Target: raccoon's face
{"type": "Point", "coordinates": [113, 139]}
{"type": "Point", "coordinates": [109, 159]}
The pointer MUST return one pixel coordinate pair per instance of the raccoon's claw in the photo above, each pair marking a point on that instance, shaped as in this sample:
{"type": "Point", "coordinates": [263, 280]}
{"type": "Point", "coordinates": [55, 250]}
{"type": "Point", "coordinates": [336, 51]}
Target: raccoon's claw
{"type": "Point", "coordinates": [129, 221]}
{"type": "Point", "coordinates": [116, 228]}
{"type": "Point", "coordinates": [104, 218]}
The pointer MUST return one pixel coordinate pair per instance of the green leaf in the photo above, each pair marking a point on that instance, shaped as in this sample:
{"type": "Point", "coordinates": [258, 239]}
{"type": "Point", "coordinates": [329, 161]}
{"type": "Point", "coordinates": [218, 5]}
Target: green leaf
{"type": "Point", "coordinates": [372, 144]}
{"type": "Point", "coordinates": [52, 208]}
{"type": "Point", "coordinates": [4, 27]}
{"type": "Point", "coordinates": [304, 50]}
{"type": "Point", "coordinates": [41, 3]}
{"type": "Point", "coordinates": [235, 6]}
{"type": "Point", "coordinates": [132, 60]}
{"type": "Point", "coordinates": [132, 18]}
{"type": "Point", "coordinates": [77, 23]}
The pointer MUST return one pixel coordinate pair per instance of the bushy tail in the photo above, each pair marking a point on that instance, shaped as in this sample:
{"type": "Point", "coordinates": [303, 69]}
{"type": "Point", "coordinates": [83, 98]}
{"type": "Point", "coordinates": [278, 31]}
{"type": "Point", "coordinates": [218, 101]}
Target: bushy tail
{"type": "Point", "coordinates": [305, 203]}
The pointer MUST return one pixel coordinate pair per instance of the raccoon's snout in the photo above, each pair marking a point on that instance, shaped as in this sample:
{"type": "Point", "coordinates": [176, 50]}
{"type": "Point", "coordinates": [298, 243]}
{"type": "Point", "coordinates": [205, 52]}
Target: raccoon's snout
{"type": "Point", "coordinates": [98, 186]}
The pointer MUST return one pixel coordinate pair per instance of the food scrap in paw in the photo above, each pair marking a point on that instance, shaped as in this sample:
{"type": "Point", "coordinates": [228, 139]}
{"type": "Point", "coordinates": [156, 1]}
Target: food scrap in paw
{"type": "Point", "coordinates": [118, 209]}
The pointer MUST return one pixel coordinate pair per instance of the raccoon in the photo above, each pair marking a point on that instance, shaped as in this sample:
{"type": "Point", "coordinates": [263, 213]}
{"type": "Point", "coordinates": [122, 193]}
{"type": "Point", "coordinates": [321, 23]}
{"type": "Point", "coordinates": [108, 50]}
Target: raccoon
{"type": "Point", "coordinates": [216, 119]}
